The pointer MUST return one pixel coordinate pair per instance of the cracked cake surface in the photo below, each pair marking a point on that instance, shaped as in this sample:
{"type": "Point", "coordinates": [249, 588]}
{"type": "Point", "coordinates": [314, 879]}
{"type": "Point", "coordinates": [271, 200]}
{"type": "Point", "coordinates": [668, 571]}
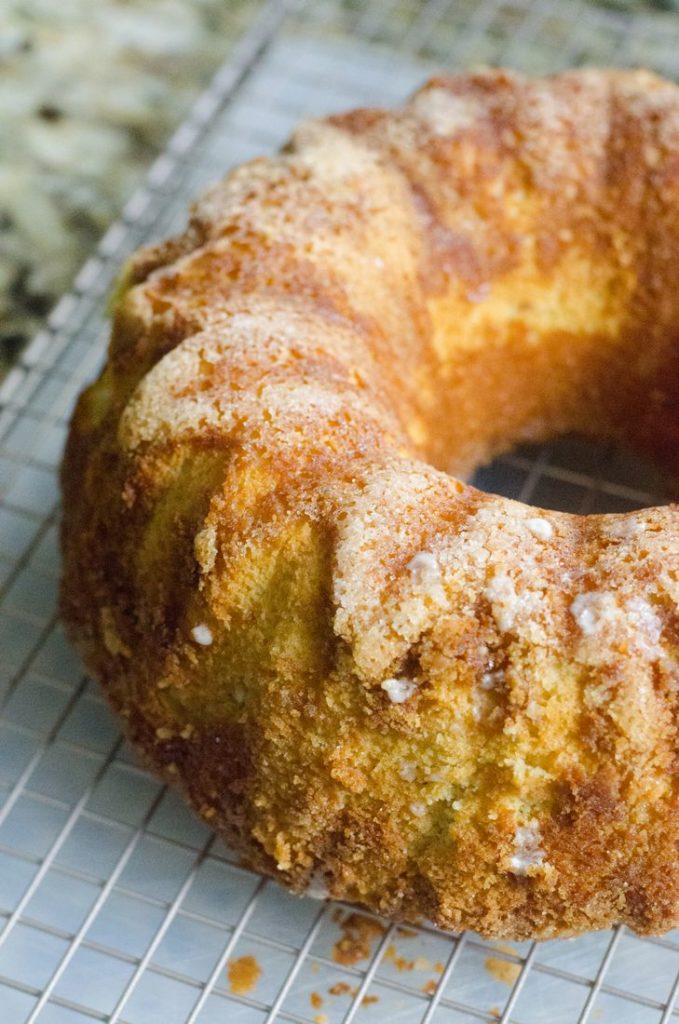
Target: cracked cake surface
{"type": "Point", "coordinates": [377, 682]}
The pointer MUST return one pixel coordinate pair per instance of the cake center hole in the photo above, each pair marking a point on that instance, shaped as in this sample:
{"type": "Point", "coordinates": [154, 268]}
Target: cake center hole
{"type": "Point", "coordinates": [573, 474]}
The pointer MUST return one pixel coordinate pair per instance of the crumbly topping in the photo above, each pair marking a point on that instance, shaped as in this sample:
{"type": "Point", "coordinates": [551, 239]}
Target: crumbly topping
{"type": "Point", "coordinates": [205, 547]}
{"type": "Point", "coordinates": [443, 113]}
{"type": "Point", "coordinates": [399, 690]}
{"type": "Point", "coordinates": [590, 610]}
{"type": "Point", "coordinates": [527, 852]}
{"type": "Point", "coordinates": [534, 710]}
{"type": "Point", "coordinates": [597, 612]}
{"type": "Point", "coordinates": [424, 567]}
{"type": "Point", "coordinates": [202, 634]}
{"type": "Point", "coordinates": [540, 528]}
{"type": "Point", "coordinates": [646, 625]}
{"type": "Point", "coordinates": [623, 527]}
{"type": "Point", "coordinates": [506, 603]}
{"type": "Point", "coordinates": [490, 680]}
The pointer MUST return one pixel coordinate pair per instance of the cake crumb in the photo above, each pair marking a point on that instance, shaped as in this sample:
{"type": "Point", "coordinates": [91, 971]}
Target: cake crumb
{"type": "Point", "coordinates": [358, 932]}
{"type": "Point", "coordinates": [243, 974]}
{"type": "Point", "coordinates": [401, 963]}
{"type": "Point", "coordinates": [429, 987]}
{"type": "Point", "coordinates": [316, 1000]}
{"type": "Point", "coordinates": [369, 1000]}
{"type": "Point", "coordinates": [342, 988]}
{"type": "Point", "coordinates": [503, 970]}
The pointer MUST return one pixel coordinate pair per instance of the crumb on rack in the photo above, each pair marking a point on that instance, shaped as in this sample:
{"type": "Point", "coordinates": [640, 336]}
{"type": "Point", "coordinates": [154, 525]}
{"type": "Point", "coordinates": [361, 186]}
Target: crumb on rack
{"type": "Point", "coordinates": [342, 988]}
{"type": "Point", "coordinates": [358, 932]}
{"type": "Point", "coordinates": [503, 970]}
{"type": "Point", "coordinates": [401, 963]}
{"type": "Point", "coordinates": [243, 974]}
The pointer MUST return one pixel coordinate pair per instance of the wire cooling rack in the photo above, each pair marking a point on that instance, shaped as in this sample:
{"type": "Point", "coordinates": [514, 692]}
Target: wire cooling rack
{"type": "Point", "coordinates": [115, 904]}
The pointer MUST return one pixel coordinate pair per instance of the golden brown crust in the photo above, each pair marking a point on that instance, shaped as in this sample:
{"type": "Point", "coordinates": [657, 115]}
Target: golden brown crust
{"type": "Point", "coordinates": [372, 679]}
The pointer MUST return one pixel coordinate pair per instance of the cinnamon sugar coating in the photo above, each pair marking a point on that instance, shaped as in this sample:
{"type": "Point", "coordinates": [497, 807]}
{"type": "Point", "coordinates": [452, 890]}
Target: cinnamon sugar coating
{"type": "Point", "coordinates": [375, 681]}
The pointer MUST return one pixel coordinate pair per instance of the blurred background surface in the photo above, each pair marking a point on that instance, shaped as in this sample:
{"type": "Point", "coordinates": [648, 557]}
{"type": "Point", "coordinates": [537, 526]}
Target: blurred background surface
{"type": "Point", "coordinates": [89, 92]}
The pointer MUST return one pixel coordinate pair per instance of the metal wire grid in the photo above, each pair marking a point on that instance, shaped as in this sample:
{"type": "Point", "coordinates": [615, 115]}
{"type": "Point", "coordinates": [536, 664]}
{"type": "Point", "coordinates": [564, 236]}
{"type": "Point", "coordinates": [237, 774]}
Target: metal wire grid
{"type": "Point", "coordinates": [115, 904]}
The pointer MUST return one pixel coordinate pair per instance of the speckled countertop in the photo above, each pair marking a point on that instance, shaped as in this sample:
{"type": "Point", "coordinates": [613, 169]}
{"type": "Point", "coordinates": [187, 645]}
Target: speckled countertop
{"type": "Point", "coordinates": [89, 92]}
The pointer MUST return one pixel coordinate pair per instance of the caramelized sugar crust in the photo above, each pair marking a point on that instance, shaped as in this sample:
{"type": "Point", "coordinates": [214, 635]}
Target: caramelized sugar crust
{"type": "Point", "coordinates": [375, 681]}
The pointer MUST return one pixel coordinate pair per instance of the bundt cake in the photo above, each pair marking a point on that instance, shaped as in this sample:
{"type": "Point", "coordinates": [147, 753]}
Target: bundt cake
{"type": "Point", "coordinates": [375, 681]}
